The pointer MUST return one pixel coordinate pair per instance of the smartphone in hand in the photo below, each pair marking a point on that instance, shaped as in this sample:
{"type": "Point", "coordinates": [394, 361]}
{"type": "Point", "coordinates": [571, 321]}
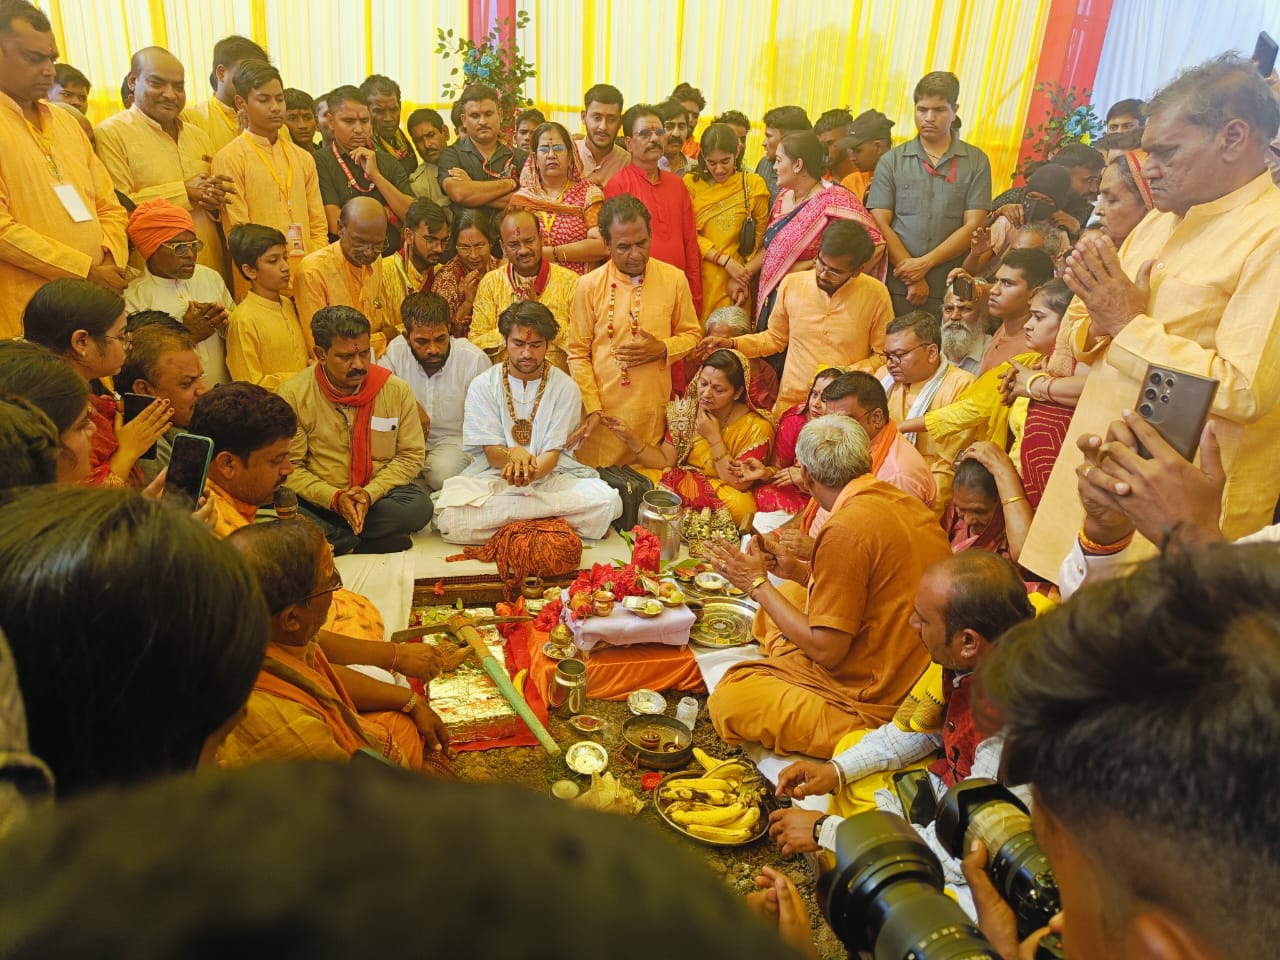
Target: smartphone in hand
{"type": "Point", "coordinates": [134, 404]}
{"type": "Point", "coordinates": [1177, 404]}
{"type": "Point", "coordinates": [188, 468]}
{"type": "Point", "coordinates": [1264, 54]}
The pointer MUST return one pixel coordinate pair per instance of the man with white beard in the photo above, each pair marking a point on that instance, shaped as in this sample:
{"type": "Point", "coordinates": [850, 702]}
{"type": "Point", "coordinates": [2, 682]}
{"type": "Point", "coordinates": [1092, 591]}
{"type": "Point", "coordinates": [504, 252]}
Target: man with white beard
{"type": "Point", "coordinates": [964, 333]}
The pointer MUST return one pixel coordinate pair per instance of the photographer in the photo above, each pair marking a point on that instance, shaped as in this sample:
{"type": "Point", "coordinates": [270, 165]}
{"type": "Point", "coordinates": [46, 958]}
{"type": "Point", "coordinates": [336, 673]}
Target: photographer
{"type": "Point", "coordinates": [1144, 716]}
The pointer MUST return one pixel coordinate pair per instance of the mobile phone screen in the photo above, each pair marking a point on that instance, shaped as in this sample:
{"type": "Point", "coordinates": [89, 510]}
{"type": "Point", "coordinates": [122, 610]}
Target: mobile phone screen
{"type": "Point", "coordinates": [1264, 54]}
{"type": "Point", "coordinates": [133, 404]}
{"type": "Point", "coordinates": [188, 467]}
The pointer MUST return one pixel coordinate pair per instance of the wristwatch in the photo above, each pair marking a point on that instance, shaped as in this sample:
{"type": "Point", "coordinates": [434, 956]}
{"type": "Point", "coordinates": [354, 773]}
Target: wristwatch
{"type": "Point", "coordinates": [756, 584]}
{"type": "Point", "coordinates": [817, 827]}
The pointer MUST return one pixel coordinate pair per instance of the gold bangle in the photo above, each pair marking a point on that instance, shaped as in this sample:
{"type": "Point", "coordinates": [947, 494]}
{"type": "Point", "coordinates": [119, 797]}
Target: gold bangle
{"type": "Point", "coordinates": [756, 584]}
{"type": "Point", "coordinates": [410, 703]}
{"type": "Point", "coordinates": [1010, 500]}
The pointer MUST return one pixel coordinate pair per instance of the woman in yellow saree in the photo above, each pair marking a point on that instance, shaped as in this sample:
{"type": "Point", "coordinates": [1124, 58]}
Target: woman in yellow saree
{"type": "Point", "coordinates": [709, 432]}
{"type": "Point", "coordinates": [725, 200]}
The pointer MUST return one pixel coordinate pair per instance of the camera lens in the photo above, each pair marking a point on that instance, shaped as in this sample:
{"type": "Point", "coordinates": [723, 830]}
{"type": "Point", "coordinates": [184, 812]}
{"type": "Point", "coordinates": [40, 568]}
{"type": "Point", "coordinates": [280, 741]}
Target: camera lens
{"type": "Point", "coordinates": [1146, 410]}
{"type": "Point", "coordinates": [885, 895]}
{"type": "Point", "coordinates": [1155, 379]}
{"type": "Point", "coordinates": [1149, 394]}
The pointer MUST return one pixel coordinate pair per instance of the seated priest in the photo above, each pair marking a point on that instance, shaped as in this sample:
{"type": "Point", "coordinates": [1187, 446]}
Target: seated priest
{"type": "Point", "coordinates": [251, 429]}
{"type": "Point", "coordinates": [359, 442]}
{"type": "Point", "coordinates": [517, 421]}
{"type": "Point", "coordinates": [301, 707]}
{"type": "Point", "coordinates": [846, 659]}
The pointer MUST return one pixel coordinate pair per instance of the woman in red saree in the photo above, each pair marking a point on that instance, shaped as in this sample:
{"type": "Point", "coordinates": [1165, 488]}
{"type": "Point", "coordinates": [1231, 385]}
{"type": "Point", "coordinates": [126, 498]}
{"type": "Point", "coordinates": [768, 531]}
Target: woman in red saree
{"type": "Point", "coordinates": [84, 324]}
{"type": "Point", "coordinates": [710, 431]}
{"type": "Point", "coordinates": [566, 203]}
{"type": "Point", "coordinates": [804, 207]}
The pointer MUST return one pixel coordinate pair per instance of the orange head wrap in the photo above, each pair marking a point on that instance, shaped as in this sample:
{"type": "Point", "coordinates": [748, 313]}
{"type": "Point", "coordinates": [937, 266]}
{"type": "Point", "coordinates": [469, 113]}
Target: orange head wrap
{"type": "Point", "coordinates": [155, 222]}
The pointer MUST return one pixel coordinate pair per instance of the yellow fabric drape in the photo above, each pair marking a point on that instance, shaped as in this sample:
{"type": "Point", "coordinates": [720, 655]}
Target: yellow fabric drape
{"type": "Point", "coordinates": [746, 55]}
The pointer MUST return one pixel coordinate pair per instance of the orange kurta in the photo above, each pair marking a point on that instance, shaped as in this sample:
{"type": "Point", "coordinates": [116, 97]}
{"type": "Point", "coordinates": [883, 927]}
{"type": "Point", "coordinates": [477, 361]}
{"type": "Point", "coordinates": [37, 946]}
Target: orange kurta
{"type": "Point", "coordinates": [666, 312]}
{"type": "Point", "coordinates": [819, 331]}
{"type": "Point", "coordinates": [350, 614]}
{"type": "Point", "coordinates": [220, 122]}
{"type": "Point", "coordinates": [276, 185]}
{"type": "Point", "coordinates": [867, 564]}
{"type": "Point", "coordinates": [146, 163]}
{"type": "Point", "coordinates": [326, 278]}
{"type": "Point", "coordinates": [39, 241]}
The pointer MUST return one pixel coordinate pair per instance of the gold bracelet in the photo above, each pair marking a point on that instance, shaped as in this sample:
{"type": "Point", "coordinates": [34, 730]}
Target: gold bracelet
{"type": "Point", "coordinates": [1013, 500]}
{"type": "Point", "coordinates": [756, 584]}
{"type": "Point", "coordinates": [395, 656]}
{"type": "Point", "coordinates": [410, 703]}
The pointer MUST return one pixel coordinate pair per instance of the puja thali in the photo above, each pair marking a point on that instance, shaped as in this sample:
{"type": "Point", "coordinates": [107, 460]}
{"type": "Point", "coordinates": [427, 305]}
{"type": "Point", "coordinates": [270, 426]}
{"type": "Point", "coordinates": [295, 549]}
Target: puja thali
{"type": "Point", "coordinates": [723, 622]}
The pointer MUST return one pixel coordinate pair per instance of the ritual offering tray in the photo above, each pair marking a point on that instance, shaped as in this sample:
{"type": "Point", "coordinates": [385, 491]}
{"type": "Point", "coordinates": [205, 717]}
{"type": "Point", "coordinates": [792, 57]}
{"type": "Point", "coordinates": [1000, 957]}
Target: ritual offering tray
{"type": "Point", "coordinates": [643, 606]}
{"type": "Point", "coordinates": [724, 806]}
{"type": "Point", "coordinates": [467, 700]}
{"type": "Point", "coordinates": [657, 741]}
{"type": "Point", "coordinates": [722, 622]}
{"type": "Point", "coordinates": [644, 701]}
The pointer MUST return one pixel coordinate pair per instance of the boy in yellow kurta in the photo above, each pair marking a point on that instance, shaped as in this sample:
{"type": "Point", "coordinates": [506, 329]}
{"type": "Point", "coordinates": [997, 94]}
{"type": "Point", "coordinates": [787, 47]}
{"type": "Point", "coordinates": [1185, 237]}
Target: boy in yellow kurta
{"type": "Point", "coordinates": [266, 343]}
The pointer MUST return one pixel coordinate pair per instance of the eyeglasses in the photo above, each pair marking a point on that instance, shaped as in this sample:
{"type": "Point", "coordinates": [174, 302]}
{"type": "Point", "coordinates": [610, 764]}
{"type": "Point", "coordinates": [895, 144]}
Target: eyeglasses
{"type": "Point", "coordinates": [431, 240]}
{"type": "Point", "coordinates": [547, 148]}
{"type": "Point", "coordinates": [335, 583]}
{"type": "Point", "coordinates": [650, 134]}
{"type": "Point", "coordinates": [127, 340]}
{"type": "Point", "coordinates": [901, 355]}
{"type": "Point", "coordinates": [184, 247]}
{"type": "Point", "coordinates": [821, 266]}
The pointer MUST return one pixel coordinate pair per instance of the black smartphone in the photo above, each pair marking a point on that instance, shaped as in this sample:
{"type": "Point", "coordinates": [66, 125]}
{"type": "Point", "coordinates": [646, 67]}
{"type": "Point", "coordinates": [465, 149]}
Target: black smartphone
{"type": "Point", "coordinates": [915, 793]}
{"type": "Point", "coordinates": [1264, 54]}
{"type": "Point", "coordinates": [188, 467]}
{"type": "Point", "coordinates": [1177, 404]}
{"type": "Point", "coordinates": [134, 404]}
{"type": "Point", "coordinates": [1034, 211]}
{"type": "Point", "coordinates": [962, 287]}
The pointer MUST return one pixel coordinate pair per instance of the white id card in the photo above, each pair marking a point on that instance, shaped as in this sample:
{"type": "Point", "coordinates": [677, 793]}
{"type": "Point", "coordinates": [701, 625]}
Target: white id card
{"type": "Point", "coordinates": [73, 202]}
{"type": "Point", "coordinates": [384, 424]}
{"type": "Point", "coordinates": [294, 233]}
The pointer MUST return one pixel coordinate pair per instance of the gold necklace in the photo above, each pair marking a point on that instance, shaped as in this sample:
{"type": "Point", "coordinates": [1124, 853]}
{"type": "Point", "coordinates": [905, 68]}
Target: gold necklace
{"type": "Point", "coordinates": [522, 430]}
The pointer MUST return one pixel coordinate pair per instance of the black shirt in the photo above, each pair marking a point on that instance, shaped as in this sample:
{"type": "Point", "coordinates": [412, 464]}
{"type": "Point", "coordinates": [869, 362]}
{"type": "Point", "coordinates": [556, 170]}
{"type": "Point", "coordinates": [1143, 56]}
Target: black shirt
{"type": "Point", "coordinates": [504, 164]}
{"type": "Point", "coordinates": [336, 189]}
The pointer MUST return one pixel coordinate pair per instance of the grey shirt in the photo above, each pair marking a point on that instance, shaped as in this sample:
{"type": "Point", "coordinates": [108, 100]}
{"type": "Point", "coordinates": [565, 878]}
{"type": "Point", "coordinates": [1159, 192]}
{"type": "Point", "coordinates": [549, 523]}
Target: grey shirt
{"type": "Point", "coordinates": [765, 170]}
{"type": "Point", "coordinates": [928, 206]}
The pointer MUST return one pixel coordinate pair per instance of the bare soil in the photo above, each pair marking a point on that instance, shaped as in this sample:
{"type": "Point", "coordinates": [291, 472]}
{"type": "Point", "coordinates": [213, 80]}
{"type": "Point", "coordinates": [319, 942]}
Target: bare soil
{"type": "Point", "coordinates": [737, 867]}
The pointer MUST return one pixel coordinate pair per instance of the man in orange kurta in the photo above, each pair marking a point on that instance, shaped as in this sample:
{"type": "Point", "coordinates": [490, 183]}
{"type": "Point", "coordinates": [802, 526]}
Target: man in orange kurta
{"type": "Point", "coordinates": [301, 707]}
{"type": "Point", "coordinates": [848, 660]}
{"type": "Point", "coordinates": [630, 322]}
{"type": "Point", "coordinates": [151, 154]}
{"type": "Point", "coordinates": [59, 216]}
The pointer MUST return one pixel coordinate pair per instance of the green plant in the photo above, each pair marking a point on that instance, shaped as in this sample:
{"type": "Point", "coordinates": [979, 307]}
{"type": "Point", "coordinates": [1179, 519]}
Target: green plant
{"type": "Point", "coordinates": [494, 61]}
{"type": "Point", "coordinates": [1070, 119]}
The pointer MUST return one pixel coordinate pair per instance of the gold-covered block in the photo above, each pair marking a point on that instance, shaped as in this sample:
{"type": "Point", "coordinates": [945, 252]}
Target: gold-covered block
{"type": "Point", "coordinates": [467, 700]}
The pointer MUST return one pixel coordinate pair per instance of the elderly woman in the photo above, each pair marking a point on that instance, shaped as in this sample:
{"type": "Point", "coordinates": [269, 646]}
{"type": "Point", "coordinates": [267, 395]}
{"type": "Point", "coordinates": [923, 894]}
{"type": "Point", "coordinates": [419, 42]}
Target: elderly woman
{"type": "Point", "coordinates": [804, 208]}
{"type": "Point", "coordinates": [472, 236]}
{"type": "Point", "coordinates": [725, 201]}
{"type": "Point", "coordinates": [1124, 197]}
{"type": "Point", "coordinates": [710, 431]}
{"type": "Point", "coordinates": [729, 322]}
{"type": "Point", "coordinates": [84, 324]}
{"type": "Point", "coordinates": [566, 203]}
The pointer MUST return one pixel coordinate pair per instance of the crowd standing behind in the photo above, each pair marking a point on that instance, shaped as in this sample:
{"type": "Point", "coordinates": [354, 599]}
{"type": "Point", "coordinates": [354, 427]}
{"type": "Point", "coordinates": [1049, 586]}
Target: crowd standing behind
{"type": "Point", "coordinates": [848, 352]}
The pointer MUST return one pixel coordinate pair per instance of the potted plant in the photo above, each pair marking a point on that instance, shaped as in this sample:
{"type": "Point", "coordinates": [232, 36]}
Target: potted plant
{"type": "Point", "coordinates": [1070, 119]}
{"type": "Point", "coordinates": [493, 60]}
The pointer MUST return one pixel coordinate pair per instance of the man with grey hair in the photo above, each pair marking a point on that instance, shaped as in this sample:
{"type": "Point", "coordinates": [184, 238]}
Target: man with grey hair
{"type": "Point", "coordinates": [1194, 290]}
{"type": "Point", "coordinates": [846, 660]}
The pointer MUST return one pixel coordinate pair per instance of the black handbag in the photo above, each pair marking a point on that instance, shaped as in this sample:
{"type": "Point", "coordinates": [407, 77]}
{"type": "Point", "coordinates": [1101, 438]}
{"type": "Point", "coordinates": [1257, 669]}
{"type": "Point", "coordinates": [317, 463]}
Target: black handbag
{"type": "Point", "coordinates": [747, 235]}
{"type": "Point", "coordinates": [631, 486]}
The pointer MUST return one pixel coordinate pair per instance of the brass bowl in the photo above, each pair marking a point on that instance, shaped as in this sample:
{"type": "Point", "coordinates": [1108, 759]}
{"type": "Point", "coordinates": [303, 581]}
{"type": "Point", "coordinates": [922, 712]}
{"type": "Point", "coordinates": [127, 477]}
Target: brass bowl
{"type": "Point", "coordinates": [675, 742]}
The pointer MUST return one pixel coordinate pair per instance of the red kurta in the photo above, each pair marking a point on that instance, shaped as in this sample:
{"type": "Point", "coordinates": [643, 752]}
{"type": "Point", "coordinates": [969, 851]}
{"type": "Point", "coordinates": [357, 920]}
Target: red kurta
{"type": "Point", "coordinates": [675, 238]}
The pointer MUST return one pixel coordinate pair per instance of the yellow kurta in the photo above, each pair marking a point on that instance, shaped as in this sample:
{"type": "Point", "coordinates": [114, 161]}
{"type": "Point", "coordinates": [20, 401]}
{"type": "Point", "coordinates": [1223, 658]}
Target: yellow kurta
{"type": "Point", "coordinates": [820, 331]}
{"type": "Point", "coordinates": [954, 383]}
{"type": "Point", "coordinates": [326, 278]}
{"type": "Point", "coordinates": [666, 312]}
{"type": "Point", "coordinates": [220, 122]}
{"type": "Point", "coordinates": [1212, 310]}
{"type": "Point", "coordinates": [719, 210]}
{"type": "Point", "coordinates": [276, 185]}
{"type": "Point", "coordinates": [350, 614]}
{"type": "Point", "coordinates": [495, 294]}
{"type": "Point", "coordinates": [38, 239]}
{"type": "Point", "coordinates": [266, 344]}
{"type": "Point", "coordinates": [146, 163]}
{"type": "Point", "coordinates": [977, 414]}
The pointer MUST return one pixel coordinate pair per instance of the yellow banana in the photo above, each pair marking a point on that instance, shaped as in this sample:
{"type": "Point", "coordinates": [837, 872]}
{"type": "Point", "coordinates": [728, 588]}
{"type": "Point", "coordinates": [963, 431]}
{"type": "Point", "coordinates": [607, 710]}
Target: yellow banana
{"type": "Point", "coordinates": [745, 822]}
{"type": "Point", "coordinates": [709, 816]}
{"type": "Point", "coordinates": [705, 760]}
{"type": "Point", "coordinates": [720, 834]}
{"type": "Point", "coordinates": [700, 783]}
{"type": "Point", "coordinates": [718, 798]}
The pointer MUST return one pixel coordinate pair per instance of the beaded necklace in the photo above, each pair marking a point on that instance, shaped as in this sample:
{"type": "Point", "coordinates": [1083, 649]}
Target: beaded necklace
{"type": "Point", "coordinates": [635, 323]}
{"type": "Point", "coordinates": [521, 429]}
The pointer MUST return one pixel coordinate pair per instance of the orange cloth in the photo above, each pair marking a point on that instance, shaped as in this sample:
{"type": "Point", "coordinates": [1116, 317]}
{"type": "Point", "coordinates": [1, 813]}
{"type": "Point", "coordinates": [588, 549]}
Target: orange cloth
{"type": "Point", "coordinates": [156, 222]}
{"type": "Point", "coordinates": [817, 330]}
{"type": "Point", "coordinates": [867, 565]}
{"type": "Point", "coordinates": [39, 241]}
{"type": "Point", "coordinates": [859, 183]}
{"type": "Point", "coordinates": [613, 673]}
{"type": "Point", "coordinates": [146, 163]}
{"type": "Point", "coordinates": [666, 312]}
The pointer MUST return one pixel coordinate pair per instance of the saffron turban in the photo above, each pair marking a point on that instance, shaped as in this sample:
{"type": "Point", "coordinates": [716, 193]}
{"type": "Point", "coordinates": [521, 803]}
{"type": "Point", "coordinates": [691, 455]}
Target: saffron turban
{"type": "Point", "coordinates": [155, 222]}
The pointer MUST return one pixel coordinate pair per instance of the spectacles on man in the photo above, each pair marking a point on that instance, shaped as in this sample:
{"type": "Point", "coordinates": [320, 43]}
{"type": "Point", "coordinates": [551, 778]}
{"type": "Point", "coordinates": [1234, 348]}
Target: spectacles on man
{"type": "Point", "coordinates": [184, 247]}
{"type": "Point", "coordinates": [899, 355]}
{"type": "Point", "coordinates": [335, 583]}
{"type": "Point", "coordinates": [821, 266]}
{"type": "Point", "coordinates": [548, 148]}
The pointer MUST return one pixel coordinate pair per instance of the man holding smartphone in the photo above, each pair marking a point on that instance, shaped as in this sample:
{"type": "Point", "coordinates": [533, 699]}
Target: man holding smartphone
{"type": "Point", "coordinates": [1193, 291]}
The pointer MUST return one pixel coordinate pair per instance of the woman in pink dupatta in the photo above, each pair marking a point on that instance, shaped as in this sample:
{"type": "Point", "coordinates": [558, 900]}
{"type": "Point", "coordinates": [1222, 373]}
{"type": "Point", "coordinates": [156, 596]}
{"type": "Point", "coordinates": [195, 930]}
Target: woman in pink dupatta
{"type": "Point", "coordinates": [804, 208]}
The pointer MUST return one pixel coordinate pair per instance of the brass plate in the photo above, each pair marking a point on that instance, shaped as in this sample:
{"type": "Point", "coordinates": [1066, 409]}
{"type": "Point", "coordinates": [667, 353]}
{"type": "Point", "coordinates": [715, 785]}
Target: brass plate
{"type": "Point", "coordinates": [762, 825]}
{"type": "Point", "coordinates": [724, 622]}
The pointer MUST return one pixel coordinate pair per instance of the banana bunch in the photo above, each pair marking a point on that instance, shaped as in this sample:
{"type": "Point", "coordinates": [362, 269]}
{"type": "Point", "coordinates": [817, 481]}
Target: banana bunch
{"type": "Point", "coordinates": [723, 806]}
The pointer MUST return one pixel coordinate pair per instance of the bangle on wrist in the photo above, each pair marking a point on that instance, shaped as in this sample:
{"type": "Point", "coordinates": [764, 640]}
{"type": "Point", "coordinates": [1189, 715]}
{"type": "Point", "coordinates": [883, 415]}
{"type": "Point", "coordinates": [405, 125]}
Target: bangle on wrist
{"type": "Point", "coordinates": [412, 702]}
{"type": "Point", "coordinates": [756, 584]}
{"type": "Point", "coordinates": [1008, 500]}
{"type": "Point", "coordinates": [841, 783]}
{"type": "Point", "coordinates": [395, 656]}
{"type": "Point", "coordinates": [1104, 549]}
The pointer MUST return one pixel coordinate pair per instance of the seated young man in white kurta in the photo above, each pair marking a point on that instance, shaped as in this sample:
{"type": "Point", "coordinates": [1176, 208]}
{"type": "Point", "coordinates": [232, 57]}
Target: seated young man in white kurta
{"type": "Point", "coordinates": [517, 420]}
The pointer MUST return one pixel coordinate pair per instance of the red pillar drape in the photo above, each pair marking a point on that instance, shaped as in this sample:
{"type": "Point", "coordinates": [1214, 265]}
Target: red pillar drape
{"type": "Point", "coordinates": [1070, 52]}
{"type": "Point", "coordinates": [485, 14]}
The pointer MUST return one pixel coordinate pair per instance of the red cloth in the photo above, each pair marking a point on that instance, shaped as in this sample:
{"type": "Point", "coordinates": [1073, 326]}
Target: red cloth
{"type": "Point", "coordinates": [960, 738]}
{"type": "Point", "coordinates": [103, 445]}
{"type": "Point", "coordinates": [675, 238]}
{"type": "Point", "coordinates": [1042, 436]}
{"type": "Point", "coordinates": [362, 400]}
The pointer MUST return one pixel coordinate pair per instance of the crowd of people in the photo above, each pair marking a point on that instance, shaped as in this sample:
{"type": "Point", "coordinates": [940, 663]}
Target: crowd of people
{"type": "Point", "coordinates": [896, 411]}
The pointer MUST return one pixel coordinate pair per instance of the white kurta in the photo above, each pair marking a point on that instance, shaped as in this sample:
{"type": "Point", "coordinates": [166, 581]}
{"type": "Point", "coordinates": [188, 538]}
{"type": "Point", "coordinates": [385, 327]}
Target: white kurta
{"type": "Point", "coordinates": [470, 508]}
{"type": "Point", "coordinates": [148, 292]}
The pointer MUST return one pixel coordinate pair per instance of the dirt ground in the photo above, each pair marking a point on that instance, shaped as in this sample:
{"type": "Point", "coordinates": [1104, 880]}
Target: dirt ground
{"type": "Point", "coordinates": [533, 768]}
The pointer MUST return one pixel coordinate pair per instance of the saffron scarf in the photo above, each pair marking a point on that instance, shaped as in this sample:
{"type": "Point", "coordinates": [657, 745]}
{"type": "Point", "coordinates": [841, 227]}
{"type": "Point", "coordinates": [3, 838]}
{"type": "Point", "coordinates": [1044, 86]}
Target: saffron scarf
{"type": "Point", "coordinates": [361, 432]}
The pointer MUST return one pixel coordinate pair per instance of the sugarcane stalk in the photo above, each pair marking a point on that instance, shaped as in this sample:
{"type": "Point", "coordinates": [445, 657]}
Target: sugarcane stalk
{"type": "Point", "coordinates": [472, 637]}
